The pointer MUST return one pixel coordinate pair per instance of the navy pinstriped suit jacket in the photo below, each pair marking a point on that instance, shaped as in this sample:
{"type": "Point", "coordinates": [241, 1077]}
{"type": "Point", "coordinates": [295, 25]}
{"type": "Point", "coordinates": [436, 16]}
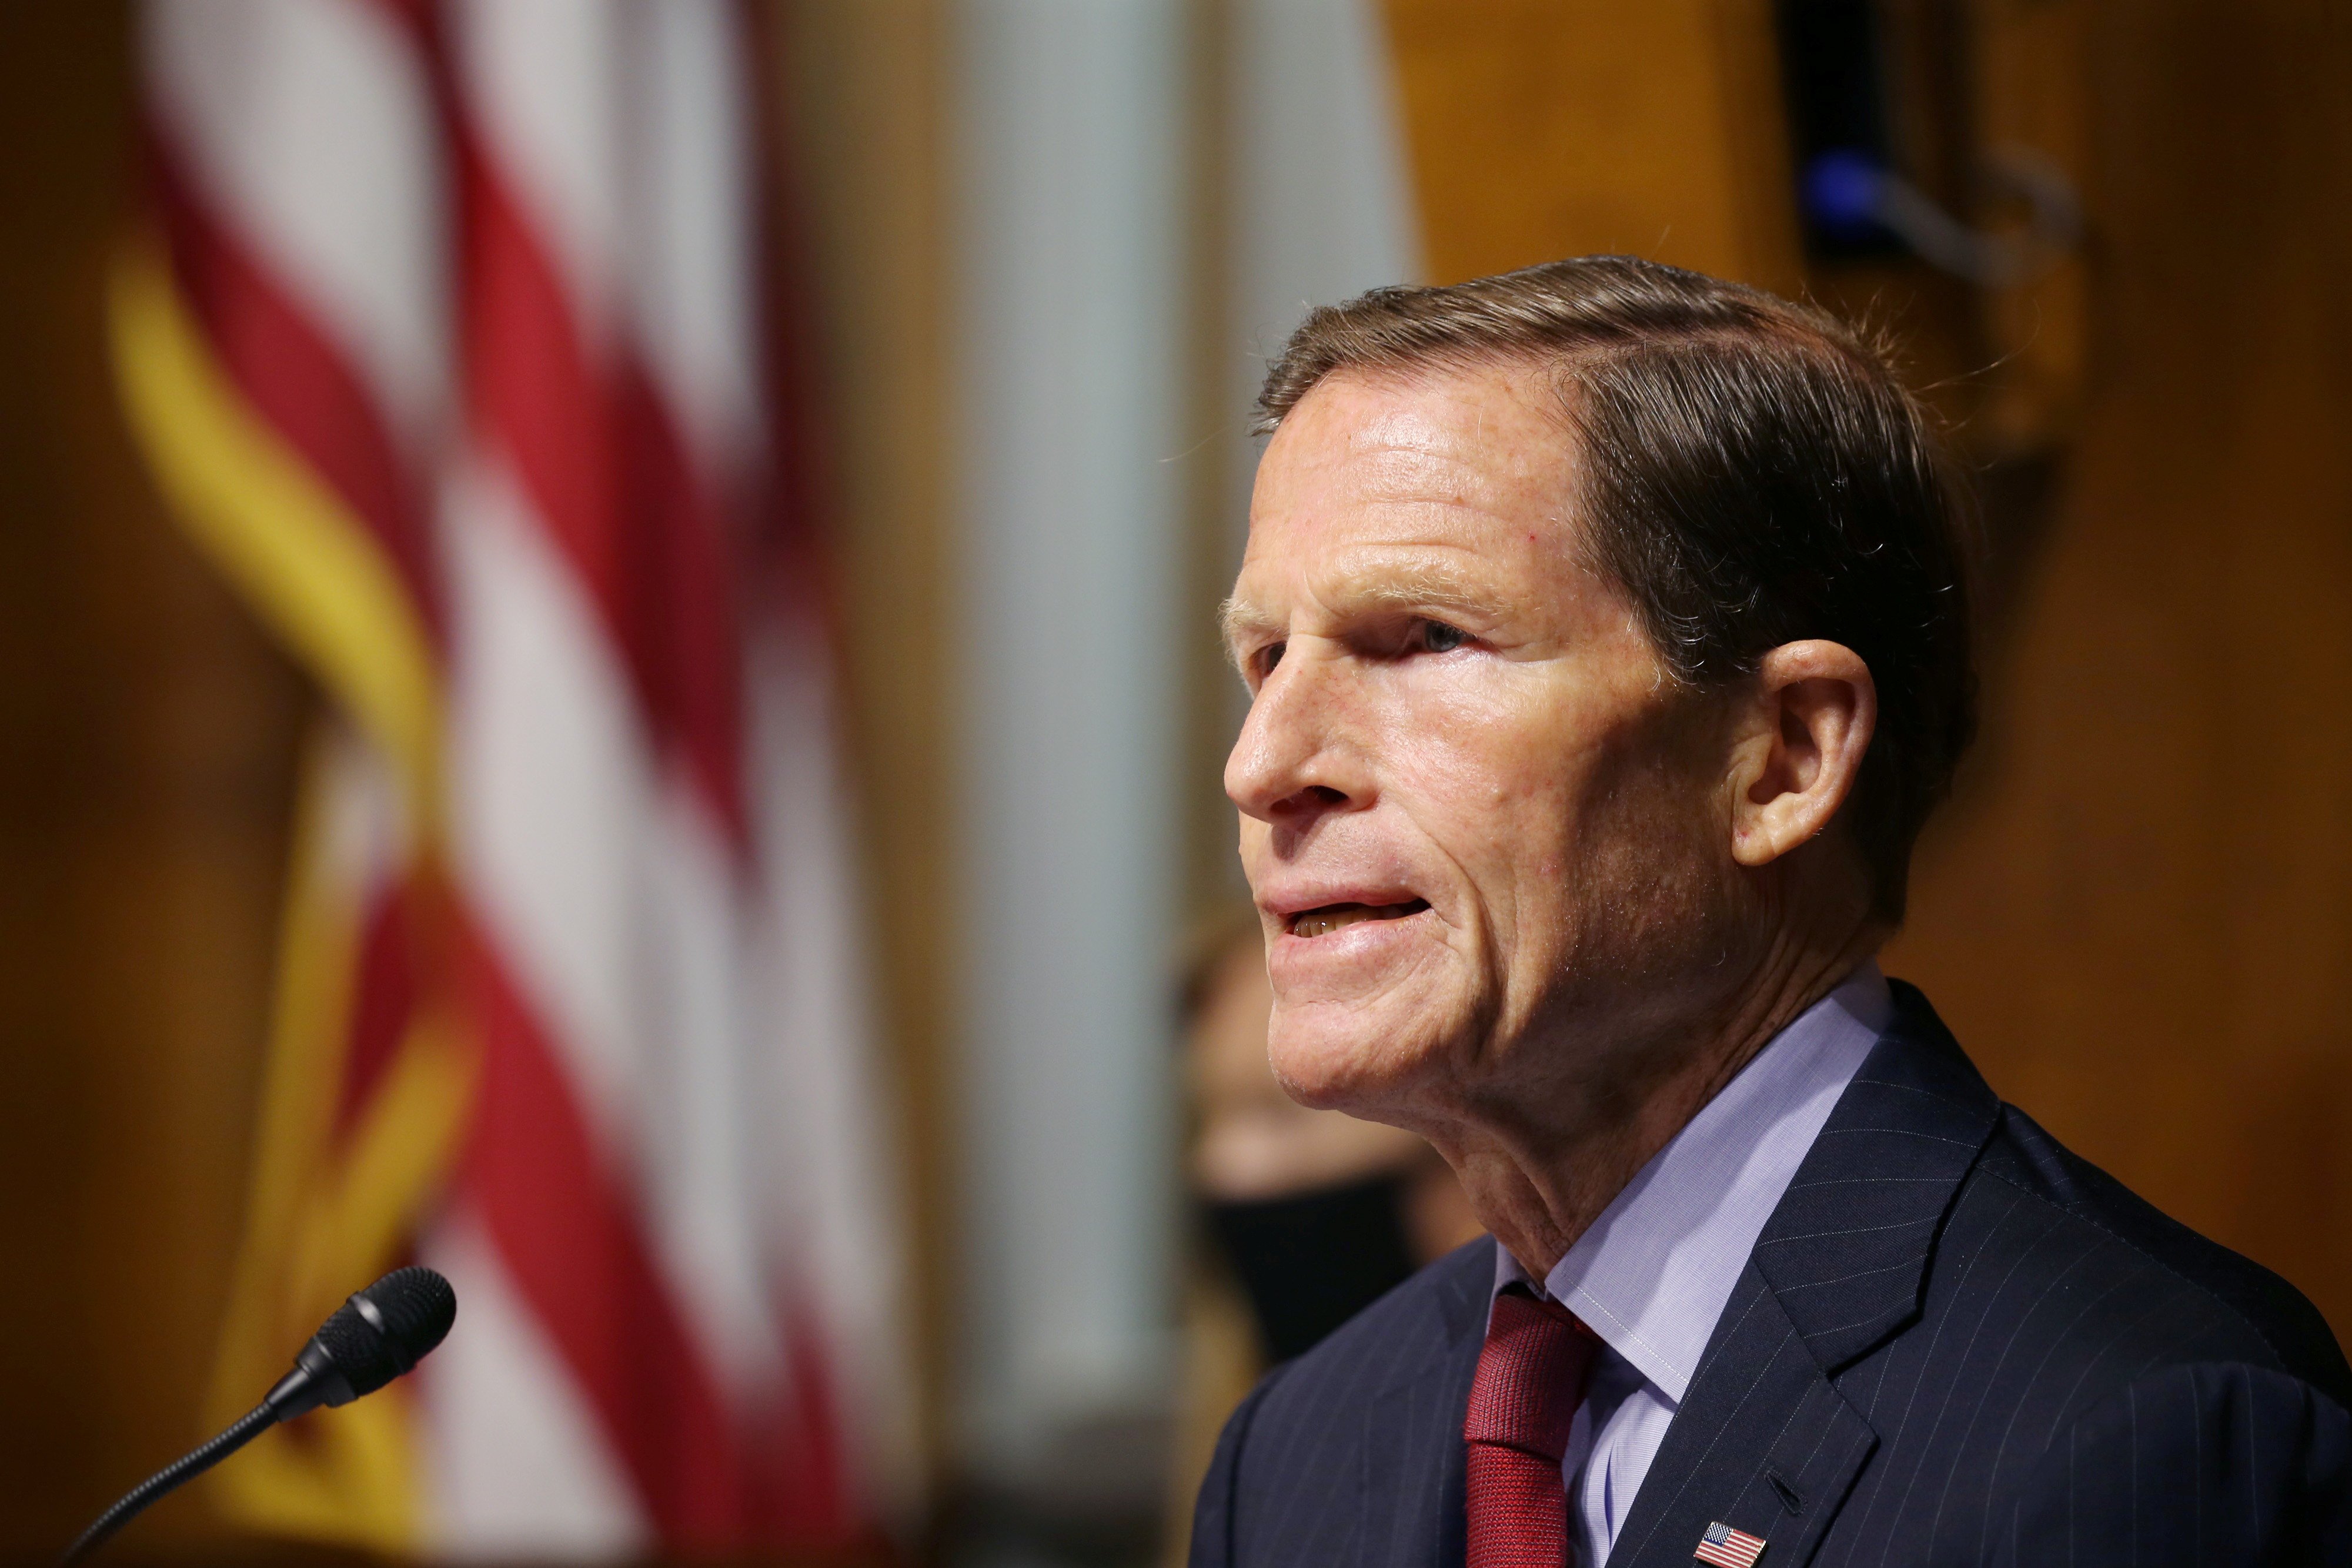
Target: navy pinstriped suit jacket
{"type": "Point", "coordinates": [1955, 1343]}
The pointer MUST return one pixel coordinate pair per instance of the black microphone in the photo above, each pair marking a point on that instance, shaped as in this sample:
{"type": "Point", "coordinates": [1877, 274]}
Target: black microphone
{"type": "Point", "coordinates": [375, 1336]}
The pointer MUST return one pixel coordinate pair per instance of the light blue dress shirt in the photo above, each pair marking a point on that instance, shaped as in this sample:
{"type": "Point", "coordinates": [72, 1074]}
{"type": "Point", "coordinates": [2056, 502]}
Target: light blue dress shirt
{"type": "Point", "coordinates": [1652, 1275]}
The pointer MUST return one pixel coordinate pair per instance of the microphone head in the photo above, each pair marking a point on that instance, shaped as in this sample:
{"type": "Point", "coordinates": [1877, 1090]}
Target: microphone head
{"type": "Point", "coordinates": [378, 1334]}
{"type": "Point", "coordinates": [413, 1308]}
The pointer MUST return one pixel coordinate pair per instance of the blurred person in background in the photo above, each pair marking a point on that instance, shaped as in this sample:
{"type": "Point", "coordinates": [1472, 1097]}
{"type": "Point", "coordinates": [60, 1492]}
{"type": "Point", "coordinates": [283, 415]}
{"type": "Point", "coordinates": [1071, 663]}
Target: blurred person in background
{"type": "Point", "coordinates": [1316, 1213]}
{"type": "Point", "coordinates": [1301, 1217]}
{"type": "Point", "coordinates": [1605, 627]}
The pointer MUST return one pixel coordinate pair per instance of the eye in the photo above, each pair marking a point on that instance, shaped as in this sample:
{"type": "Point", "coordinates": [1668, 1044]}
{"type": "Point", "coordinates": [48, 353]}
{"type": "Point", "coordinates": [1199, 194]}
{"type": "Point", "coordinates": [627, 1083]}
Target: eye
{"type": "Point", "coordinates": [1268, 657]}
{"type": "Point", "coordinates": [1439, 638]}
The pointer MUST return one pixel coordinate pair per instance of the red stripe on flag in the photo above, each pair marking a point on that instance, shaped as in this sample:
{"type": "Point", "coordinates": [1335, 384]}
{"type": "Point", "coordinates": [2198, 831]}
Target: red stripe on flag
{"type": "Point", "coordinates": [608, 480]}
{"type": "Point", "coordinates": [604, 469]}
{"type": "Point", "coordinates": [296, 378]}
{"type": "Point", "coordinates": [802, 1494]}
{"type": "Point", "coordinates": [686, 604]}
{"type": "Point", "coordinates": [417, 16]}
{"type": "Point", "coordinates": [793, 579]}
{"type": "Point", "coordinates": [384, 991]}
{"type": "Point", "coordinates": [574, 1244]}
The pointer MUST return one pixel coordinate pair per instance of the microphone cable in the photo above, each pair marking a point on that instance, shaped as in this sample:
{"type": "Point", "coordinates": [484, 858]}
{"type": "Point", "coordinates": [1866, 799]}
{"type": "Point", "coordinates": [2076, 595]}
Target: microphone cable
{"type": "Point", "coordinates": [183, 1470]}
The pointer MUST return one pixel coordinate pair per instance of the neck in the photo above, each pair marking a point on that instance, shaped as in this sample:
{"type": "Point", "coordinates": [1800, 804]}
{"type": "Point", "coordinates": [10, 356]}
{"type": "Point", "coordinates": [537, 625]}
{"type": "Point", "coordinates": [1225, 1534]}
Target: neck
{"type": "Point", "coordinates": [1538, 1170]}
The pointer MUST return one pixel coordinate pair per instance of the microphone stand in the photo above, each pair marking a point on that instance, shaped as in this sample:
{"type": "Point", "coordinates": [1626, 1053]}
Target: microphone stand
{"type": "Point", "coordinates": [179, 1472]}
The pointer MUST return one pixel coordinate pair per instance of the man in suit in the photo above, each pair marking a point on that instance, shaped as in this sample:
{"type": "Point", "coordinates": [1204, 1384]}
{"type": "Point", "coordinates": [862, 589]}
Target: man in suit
{"type": "Point", "coordinates": [1605, 631]}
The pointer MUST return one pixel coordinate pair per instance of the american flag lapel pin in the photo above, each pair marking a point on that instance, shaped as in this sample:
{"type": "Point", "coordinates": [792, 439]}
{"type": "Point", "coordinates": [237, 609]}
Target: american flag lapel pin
{"type": "Point", "coordinates": [1728, 1548]}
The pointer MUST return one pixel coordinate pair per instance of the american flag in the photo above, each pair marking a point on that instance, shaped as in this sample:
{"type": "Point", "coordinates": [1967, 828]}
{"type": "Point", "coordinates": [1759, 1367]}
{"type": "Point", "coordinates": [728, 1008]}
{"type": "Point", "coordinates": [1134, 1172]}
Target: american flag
{"type": "Point", "coordinates": [449, 347]}
{"type": "Point", "coordinates": [1728, 1548]}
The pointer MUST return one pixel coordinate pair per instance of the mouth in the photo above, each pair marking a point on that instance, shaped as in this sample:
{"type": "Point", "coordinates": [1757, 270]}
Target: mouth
{"type": "Point", "coordinates": [1327, 919]}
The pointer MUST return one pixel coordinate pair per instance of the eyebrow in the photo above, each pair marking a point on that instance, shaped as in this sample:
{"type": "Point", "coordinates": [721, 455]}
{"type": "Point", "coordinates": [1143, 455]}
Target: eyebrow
{"type": "Point", "coordinates": [1420, 585]}
{"type": "Point", "coordinates": [1236, 621]}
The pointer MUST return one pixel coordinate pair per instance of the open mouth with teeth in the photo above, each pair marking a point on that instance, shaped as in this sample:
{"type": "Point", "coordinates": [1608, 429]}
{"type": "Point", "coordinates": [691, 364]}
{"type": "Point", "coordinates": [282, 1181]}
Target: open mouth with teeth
{"type": "Point", "coordinates": [1333, 917]}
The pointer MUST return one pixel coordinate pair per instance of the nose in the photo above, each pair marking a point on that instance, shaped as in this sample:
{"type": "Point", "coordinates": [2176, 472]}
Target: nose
{"type": "Point", "coordinates": [1293, 761]}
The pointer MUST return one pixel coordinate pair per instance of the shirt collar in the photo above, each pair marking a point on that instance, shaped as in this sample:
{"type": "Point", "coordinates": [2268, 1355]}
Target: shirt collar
{"type": "Point", "coordinates": [1652, 1274]}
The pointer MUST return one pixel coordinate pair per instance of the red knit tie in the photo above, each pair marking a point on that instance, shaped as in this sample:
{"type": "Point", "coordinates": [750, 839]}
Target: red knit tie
{"type": "Point", "coordinates": [1530, 1380]}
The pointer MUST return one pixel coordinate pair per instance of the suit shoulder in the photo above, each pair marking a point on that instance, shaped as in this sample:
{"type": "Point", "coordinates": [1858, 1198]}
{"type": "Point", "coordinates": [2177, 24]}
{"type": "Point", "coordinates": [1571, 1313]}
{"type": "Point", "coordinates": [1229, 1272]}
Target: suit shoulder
{"type": "Point", "coordinates": [2198, 1297]}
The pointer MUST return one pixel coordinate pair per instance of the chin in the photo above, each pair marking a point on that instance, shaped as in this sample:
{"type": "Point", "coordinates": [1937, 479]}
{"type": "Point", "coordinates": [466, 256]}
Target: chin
{"type": "Point", "coordinates": [1329, 1056]}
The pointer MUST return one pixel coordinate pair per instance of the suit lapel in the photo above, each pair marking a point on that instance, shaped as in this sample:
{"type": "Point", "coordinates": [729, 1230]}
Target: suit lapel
{"type": "Point", "coordinates": [1413, 1465]}
{"type": "Point", "coordinates": [1763, 1441]}
{"type": "Point", "coordinates": [1847, 1250]}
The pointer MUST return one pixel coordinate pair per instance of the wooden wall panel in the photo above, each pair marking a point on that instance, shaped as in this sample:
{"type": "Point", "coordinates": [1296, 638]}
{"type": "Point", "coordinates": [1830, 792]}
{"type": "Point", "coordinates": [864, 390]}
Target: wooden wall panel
{"type": "Point", "coordinates": [2138, 913]}
{"type": "Point", "coordinates": [147, 735]}
{"type": "Point", "coordinates": [1542, 128]}
{"type": "Point", "coordinates": [866, 170]}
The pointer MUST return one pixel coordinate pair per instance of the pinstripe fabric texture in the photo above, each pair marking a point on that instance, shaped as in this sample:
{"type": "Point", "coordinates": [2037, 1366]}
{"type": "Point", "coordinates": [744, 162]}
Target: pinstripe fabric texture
{"type": "Point", "coordinates": [1955, 1343]}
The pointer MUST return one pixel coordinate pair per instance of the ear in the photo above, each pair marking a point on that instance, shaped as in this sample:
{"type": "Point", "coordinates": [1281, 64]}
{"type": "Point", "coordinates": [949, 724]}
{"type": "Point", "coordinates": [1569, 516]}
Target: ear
{"type": "Point", "coordinates": [1799, 747]}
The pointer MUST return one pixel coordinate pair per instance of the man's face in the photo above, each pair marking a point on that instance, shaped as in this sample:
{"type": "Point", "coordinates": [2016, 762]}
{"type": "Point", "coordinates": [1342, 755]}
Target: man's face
{"type": "Point", "coordinates": [1478, 816]}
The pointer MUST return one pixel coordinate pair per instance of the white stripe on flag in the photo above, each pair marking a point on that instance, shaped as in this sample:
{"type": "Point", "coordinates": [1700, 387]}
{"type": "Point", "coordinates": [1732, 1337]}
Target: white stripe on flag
{"type": "Point", "coordinates": [699, 1118]}
{"type": "Point", "coordinates": [309, 125]}
{"type": "Point", "coordinates": [693, 294]}
{"type": "Point", "coordinates": [542, 82]}
{"type": "Point", "coordinates": [515, 1467]}
{"type": "Point", "coordinates": [833, 1187]}
{"type": "Point", "coordinates": [549, 791]}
